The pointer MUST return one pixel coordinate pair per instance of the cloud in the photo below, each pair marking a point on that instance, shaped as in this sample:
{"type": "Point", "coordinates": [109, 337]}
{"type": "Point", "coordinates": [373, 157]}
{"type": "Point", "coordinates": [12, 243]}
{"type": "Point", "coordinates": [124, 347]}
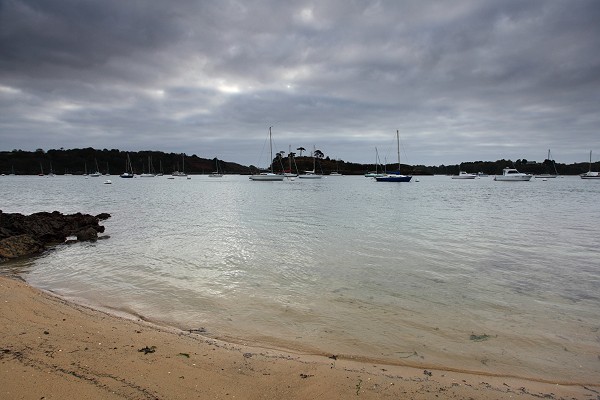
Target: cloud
{"type": "Point", "coordinates": [461, 80]}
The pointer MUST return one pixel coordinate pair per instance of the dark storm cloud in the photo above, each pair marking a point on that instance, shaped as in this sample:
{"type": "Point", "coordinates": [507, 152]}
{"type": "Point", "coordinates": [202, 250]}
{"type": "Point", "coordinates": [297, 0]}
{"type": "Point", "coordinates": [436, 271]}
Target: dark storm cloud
{"type": "Point", "coordinates": [461, 80]}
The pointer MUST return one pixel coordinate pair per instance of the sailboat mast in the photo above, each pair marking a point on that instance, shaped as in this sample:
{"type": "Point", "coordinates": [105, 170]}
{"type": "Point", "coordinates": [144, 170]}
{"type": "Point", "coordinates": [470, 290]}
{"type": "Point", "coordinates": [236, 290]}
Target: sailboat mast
{"type": "Point", "coordinates": [376, 160]}
{"type": "Point", "coordinates": [398, 144]}
{"type": "Point", "coordinates": [271, 149]}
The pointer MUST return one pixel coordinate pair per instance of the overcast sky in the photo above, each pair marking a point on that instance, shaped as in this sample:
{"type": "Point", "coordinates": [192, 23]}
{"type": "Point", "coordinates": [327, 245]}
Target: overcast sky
{"type": "Point", "coordinates": [460, 80]}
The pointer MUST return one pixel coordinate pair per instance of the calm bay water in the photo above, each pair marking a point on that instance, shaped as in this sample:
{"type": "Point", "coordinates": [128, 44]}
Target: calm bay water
{"type": "Point", "coordinates": [397, 273]}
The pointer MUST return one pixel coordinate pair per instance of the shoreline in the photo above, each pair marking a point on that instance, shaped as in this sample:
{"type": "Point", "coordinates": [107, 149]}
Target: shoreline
{"type": "Point", "coordinates": [53, 348]}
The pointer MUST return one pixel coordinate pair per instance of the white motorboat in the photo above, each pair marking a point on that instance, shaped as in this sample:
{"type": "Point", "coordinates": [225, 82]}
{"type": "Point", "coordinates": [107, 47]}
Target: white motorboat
{"type": "Point", "coordinates": [512, 175]}
{"type": "Point", "coordinates": [464, 175]}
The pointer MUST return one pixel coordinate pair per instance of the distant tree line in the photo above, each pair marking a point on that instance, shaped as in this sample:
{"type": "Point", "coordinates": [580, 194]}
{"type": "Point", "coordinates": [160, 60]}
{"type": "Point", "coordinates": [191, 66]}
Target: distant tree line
{"type": "Point", "coordinates": [78, 161]}
{"type": "Point", "coordinates": [496, 167]}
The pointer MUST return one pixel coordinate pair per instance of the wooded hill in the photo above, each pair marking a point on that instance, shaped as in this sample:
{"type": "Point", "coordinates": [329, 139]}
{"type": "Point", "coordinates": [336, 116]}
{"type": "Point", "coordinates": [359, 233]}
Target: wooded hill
{"type": "Point", "coordinates": [78, 161]}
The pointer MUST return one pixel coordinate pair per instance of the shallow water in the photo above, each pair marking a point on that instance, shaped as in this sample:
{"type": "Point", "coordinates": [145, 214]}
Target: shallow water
{"type": "Point", "coordinates": [398, 273]}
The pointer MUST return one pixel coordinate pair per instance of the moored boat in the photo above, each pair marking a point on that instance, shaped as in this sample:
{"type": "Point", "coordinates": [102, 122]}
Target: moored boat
{"type": "Point", "coordinates": [590, 174]}
{"type": "Point", "coordinates": [376, 173]}
{"type": "Point", "coordinates": [548, 175]}
{"type": "Point", "coordinates": [128, 169]}
{"type": "Point", "coordinates": [464, 175]}
{"type": "Point", "coordinates": [311, 174]}
{"type": "Point", "coordinates": [512, 175]}
{"type": "Point", "coordinates": [268, 176]}
{"type": "Point", "coordinates": [395, 176]}
{"type": "Point", "coordinates": [216, 173]}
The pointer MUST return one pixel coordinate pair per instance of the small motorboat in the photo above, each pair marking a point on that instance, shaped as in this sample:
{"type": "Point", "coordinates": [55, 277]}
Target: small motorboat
{"type": "Point", "coordinates": [464, 175]}
{"type": "Point", "coordinates": [512, 175]}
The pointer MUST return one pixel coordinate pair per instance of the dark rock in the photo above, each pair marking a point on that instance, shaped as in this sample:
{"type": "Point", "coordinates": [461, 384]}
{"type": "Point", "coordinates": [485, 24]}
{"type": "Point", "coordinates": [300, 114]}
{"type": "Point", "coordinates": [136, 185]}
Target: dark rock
{"type": "Point", "coordinates": [87, 234]}
{"type": "Point", "coordinates": [103, 216]}
{"type": "Point", "coordinates": [20, 245]}
{"type": "Point", "coordinates": [22, 235]}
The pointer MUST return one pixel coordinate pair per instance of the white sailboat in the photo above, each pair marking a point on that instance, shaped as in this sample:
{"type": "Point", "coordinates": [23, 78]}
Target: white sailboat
{"type": "Point", "coordinates": [150, 173]}
{"type": "Point", "coordinates": [376, 173]}
{"type": "Point", "coordinates": [545, 176]}
{"type": "Point", "coordinates": [160, 168]}
{"type": "Point", "coordinates": [96, 173]}
{"type": "Point", "coordinates": [128, 169]}
{"type": "Point", "coordinates": [337, 170]}
{"type": "Point", "coordinates": [268, 176]}
{"type": "Point", "coordinates": [590, 174]}
{"type": "Point", "coordinates": [311, 174]}
{"type": "Point", "coordinates": [181, 173]}
{"type": "Point", "coordinates": [217, 173]}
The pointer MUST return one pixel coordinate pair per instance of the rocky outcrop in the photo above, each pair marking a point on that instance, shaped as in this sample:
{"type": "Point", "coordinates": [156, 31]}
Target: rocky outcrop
{"type": "Point", "coordinates": [22, 235]}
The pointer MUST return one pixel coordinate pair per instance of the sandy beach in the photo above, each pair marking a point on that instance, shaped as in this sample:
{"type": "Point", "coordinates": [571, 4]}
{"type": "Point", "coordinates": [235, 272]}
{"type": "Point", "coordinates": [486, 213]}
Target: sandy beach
{"type": "Point", "coordinates": [54, 349]}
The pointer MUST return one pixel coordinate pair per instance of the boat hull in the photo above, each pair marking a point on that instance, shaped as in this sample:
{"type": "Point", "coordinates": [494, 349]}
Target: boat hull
{"type": "Point", "coordinates": [512, 175]}
{"type": "Point", "coordinates": [267, 177]}
{"type": "Point", "coordinates": [393, 178]}
{"type": "Point", "coordinates": [464, 175]}
{"type": "Point", "coordinates": [520, 178]}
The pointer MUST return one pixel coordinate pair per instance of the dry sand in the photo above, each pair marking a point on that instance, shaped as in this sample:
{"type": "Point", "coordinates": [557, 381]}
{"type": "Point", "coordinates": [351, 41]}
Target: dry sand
{"type": "Point", "coordinates": [54, 349]}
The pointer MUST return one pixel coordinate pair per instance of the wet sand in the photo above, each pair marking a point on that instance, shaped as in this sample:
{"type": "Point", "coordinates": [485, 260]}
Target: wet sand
{"type": "Point", "coordinates": [53, 349]}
